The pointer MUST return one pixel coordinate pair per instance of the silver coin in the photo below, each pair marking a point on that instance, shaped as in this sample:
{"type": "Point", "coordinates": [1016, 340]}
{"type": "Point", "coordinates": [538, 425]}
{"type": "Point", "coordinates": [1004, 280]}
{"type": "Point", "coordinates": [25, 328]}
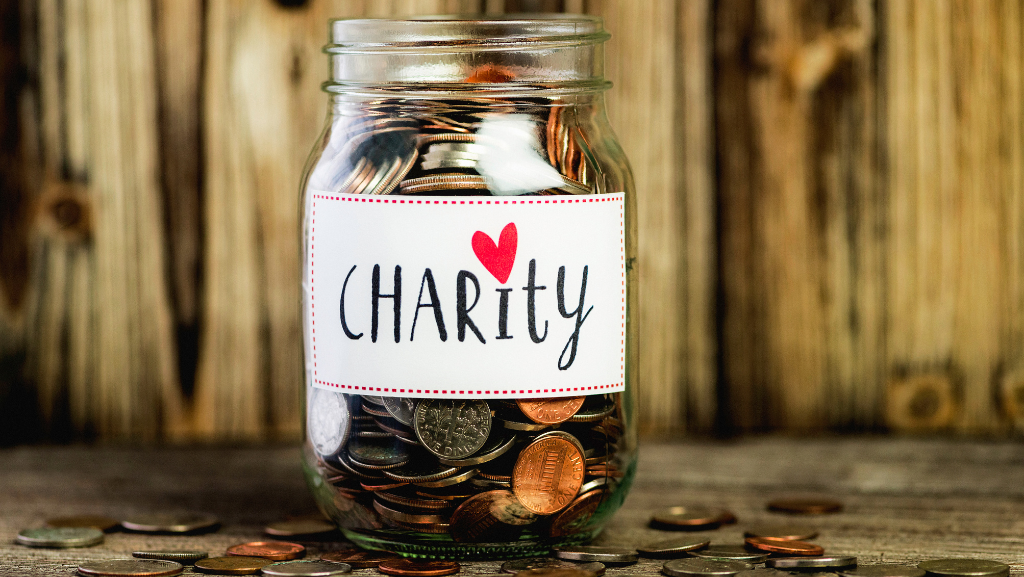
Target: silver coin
{"type": "Point", "coordinates": [517, 565]}
{"type": "Point", "coordinates": [376, 400]}
{"type": "Point", "coordinates": [694, 567]}
{"type": "Point", "coordinates": [673, 547]}
{"type": "Point", "coordinates": [377, 453]}
{"type": "Point", "coordinates": [170, 523]}
{"type": "Point", "coordinates": [60, 537]}
{"type": "Point", "coordinates": [403, 410]}
{"type": "Point", "coordinates": [965, 567]}
{"type": "Point", "coordinates": [317, 568]}
{"type": "Point", "coordinates": [328, 421]}
{"type": "Point", "coordinates": [457, 147]}
{"type": "Point", "coordinates": [822, 562]}
{"type": "Point", "coordinates": [428, 164]}
{"type": "Point", "coordinates": [452, 428]}
{"type": "Point", "coordinates": [131, 568]}
{"type": "Point", "coordinates": [184, 556]}
{"type": "Point", "coordinates": [762, 572]}
{"type": "Point", "coordinates": [886, 570]}
{"type": "Point", "coordinates": [495, 447]}
{"type": "Point", "coordinates": [730, 553]}
{"type": "Point", "coordinates": [593, 553]}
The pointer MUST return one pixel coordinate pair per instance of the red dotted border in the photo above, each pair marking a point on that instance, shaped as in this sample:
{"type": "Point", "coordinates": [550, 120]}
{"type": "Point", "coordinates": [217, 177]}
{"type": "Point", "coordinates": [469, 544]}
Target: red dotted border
{"type": "Point", "coordinates": [360, 198]}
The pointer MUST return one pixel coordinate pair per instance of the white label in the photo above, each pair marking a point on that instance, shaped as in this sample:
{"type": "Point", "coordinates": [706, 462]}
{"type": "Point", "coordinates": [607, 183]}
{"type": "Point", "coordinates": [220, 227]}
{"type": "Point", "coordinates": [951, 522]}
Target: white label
{"type": "Point", "coordinates": [457, 270]}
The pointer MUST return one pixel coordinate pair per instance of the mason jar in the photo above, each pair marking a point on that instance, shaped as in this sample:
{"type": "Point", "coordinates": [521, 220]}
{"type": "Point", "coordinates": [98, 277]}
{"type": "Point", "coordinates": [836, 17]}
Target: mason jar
{"type": "Point", "coordinates": [469, 288]}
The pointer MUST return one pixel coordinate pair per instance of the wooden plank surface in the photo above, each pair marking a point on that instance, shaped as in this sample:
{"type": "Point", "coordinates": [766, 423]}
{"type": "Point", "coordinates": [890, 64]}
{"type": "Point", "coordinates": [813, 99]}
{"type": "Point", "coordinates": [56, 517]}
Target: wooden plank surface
{"type": "Point", "coordinates": [906, 500]}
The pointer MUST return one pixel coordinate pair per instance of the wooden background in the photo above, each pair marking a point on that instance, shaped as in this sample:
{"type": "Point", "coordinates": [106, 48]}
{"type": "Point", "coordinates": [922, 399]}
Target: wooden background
{"type": "Point", "coordinates": [831, 210]}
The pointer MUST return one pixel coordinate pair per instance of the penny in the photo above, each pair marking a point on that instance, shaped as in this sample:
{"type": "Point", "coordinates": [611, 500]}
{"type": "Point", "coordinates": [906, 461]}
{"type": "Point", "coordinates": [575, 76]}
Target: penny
{"type": "Point", "coordinates": [171, 523]}
{"type": "Point", "coordinates": [401, 409]}
{"type": "Point", "coordinates": [359, 559]}
{"type": "Point", "coordinates": [550, 411]}
{"type": "Point", "coordinates": [593, 553]}
{"type": "Point", "coordinates": [822, 562]}
{"type": "Point", "coordinates": [412, 568]}
{"type": "Point", "coordinates": [299, 527]}
{"type": "Point", "coordinates": [556, 572]}
{"type": "Point", "coordinates": [60, 537]}
{"type": "Point", "coordinates": [964, 568]}
{"type": "Point", "coordinates": [884, 570]}
{"type": "Point", "coordinates": [548, 473]}
{"type": "Point", "coordinates": [328, 421]}
{"type": "Point", "coordinates": [671, 548]}
{"type": "Point", "coordinates": [785, 532]}
{"type": "Point", "coordinates": [692, 567]}
{"type": "Point", "coordinates": [730, 553]}
{"type": "Point", "coordinates": [576, 516]}
{"type": "Point", "coordinates": [234, 565]}
{"type": "Point", "coordinates": [273, 550]}
{"type": "Point", "coordinates": [454, 429]}
{"type": "Point", "coordinates": [314, 568]}
{"type": "Point", "coordinates": [489, 516]}
{"type": "Point", "coordinates": [785, 546]}
{"type": "Point", "coordinates": [96, 521]}
{"type": "Point", "coordinates": [805, 506]}
{"type": "Point", "coordinates": [130, 568]}
{"type": "Point", "coordinates": [518, 565]}
{"type": "Point", "coordinates": [183, 556]}
{"type": "Point", "coordinates": [685, 518]}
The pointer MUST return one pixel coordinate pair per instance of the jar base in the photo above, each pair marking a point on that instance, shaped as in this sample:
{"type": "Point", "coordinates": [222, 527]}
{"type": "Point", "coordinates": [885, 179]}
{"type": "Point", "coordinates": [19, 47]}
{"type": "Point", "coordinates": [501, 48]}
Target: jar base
{"type": "Point", "coordinates": [420, 546]}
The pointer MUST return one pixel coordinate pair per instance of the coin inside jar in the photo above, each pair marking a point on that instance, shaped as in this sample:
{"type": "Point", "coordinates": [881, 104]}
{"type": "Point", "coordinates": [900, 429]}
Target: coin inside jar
{"type": "Point", "coordinates": [328, 421]}
{"type": "Point", "coordinates": [549, 473]}
{"type": "Point", "coordinates": [273, 550]}
{"type": "Point", "coordinates": [454, 429]}
{"type": "Point", "coordinates": [130, 568]}
{"type": "Point", "coordinates": [232, 565]}
{"type": "Point", "coordinates": [489, 516]}
{"type": "Point", "coordinates": [550, 411]}
{"type": "Point", "coordinates": [578, 514]}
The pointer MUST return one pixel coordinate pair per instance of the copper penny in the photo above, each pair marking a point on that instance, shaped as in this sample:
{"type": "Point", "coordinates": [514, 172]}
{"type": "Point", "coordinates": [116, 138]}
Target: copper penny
{"type": "Point", "coordinates": [549, 473]}
{"type": "Point", "coordinates": [784, 532]}
{"type": "Point", "coordinates": [236, 565]}
{"type": "Point", "coordinates": [273, 550]}
{"type": "Point", "coordinates": [683, 518]}
{"type": "Point", "coordinates": [130, 568]}
{"type": "Point", "coordinates": [805, 506]}
{"type": "Point", "coordinates": [410, 568]}
{"type": "Point", "coordinates": [96, 521]}
{"type": "Point", "coordinates": [577, 514]}
{"type": "Point", "coordinates": [489, 516]}
{"type": "Point", "coordinates": [359, 559]}
{"type": "Point", "coordinates": [784, 546]}
{"type": "Point", "coordinates": [550, 411]}
{"type": "Point", "coordinates": [295, 527]}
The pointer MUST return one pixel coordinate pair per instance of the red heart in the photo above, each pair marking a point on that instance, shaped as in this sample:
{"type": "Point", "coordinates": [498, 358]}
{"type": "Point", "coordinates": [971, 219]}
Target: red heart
{"type": "Point", "coordinates": [497, 258]}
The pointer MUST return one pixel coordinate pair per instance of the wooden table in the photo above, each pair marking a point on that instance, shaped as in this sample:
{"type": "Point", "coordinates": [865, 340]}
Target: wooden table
{"type": "Point", "coordinates": [905, 499]}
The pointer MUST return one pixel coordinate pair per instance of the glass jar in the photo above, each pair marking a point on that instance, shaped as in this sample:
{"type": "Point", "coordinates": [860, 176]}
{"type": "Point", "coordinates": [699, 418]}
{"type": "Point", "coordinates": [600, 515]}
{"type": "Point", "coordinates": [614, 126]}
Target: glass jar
{"type": "Point", "coordinates": [469, 279]}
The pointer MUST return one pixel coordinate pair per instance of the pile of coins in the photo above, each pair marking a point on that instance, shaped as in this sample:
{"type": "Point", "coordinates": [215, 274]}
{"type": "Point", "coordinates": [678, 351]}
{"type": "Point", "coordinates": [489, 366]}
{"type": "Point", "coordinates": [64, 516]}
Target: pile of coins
{"type": "Point", "coordinates": [479, 471]}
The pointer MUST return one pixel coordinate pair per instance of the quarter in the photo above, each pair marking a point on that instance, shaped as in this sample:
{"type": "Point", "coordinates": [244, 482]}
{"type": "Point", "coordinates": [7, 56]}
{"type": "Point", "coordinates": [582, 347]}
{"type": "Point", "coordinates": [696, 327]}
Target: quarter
{"type": "Point", "coordinates": [60, 537]}
{"type": "Point", "coordinates": [692, 567]}
{"type": "Point", "coordinates": [593, 553]}
{"type": "Point", "coordinates": [130, 568]}
{"type": "Point", "coordinates": [965, 567]}
{"type": "Point", "coordinates": [317, 568]}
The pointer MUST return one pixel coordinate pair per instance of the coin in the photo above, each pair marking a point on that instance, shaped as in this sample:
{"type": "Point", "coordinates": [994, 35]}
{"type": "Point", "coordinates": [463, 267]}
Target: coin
{"type": "Point", "coordinates": [550, 411]}
{"type": "Point", "coordinates": [785, 546]}
{"type": "Point", "coordinates": [420, 470]}
{"type": "Point", "coordinates": [730, 553]}
{"type": "Point", "coordinates": [233, 565]}
{"type": "Point", "coordinates": [762, 572]}
{"type": "Point", "coordinates": [885, 570]}
{"type": "Point", "coordinates": [518, 565]}
{"type": "Point", "coordinates": [692, 567]}
{"type": "Point", "coordinates": [396, 514]}
{"type": "Point", "coordinates": [548, 473]}
{"type": "Point", "coordinates": [461, 476]}
{"type": "Point", "coordinates": [441, 182]}
{"type": "Point", "coordinates": [299, 527]}
{"type": "Point", "coordinates": [98, 522]}
{"type": "Point", "coordinates": [556, 572]}
{"type": "Point", "coordinates": [183, 556]}
{"type": "Point", "coordinates": [377, 453]}
{"type": "Point", "coordinates": [823, 562]}
{"type": "Point", "coordinates": [965, 568]}
{"type": "Point", "coordinates": [315, 568]}
{"type": "Point", "coordinates": [496, 446]}
{"type": "Point", "coordinates": [805, 506]}
{"type": "Point", "coordinates": [489, 516]}
{"type": "Point", "coordinates": [786, 532]}
{"type": "Point", "coordinates": [359, 559]}
{"type": "Point", "coordinates": [412, 568]}
{"type": "Point", "coordinates": [454, 429]}
{"type": "Point", "coordinates": [686, 518]}
{"type": "Point", "coordinates": [577, 514]}
{"type": "Point", "coordinates": [673, 547]}
{"type": "Point", "coordinates": [171, 523]}
{"type": "Point", "coordinates": [403, 410]}
{"type": "Point", "coordinates": [273, 550]}
{"type": "Point", "coordinates": [60, 537]}
{"type": "Point", "coordinates": [130, 568]}
{"type": "Point", "coordinates": [328, 421]}
{"type": "Point", "coordinates": [605, 555]}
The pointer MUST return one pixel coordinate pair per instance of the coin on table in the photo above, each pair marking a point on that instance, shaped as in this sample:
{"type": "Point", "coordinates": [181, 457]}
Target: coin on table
{"type": "Point", "coordinates": [673, 547]}
{"type": "Point", "coordinates": [694, 567]}
{"type": "Point", "coordinates": [318, 568]}
{"type": "Point", "coordinates": [60, 537]}
{"type": "Point", "coordinates": [183, 556]}
{"type": "Point", "coordinates": [785, 546]}
{"type": "Point", "coordinates": [328, 421]}
{"type": "Point", "coordinates": [884, 570]}
{"type": "Point", "coordinates": [273, 550]}
{"type": "Point", "coordinates": [96, 521]}
{"type": "Point", "coordinates": [452, 428]}
{"type": "Point", "coordinates": [550, 411]}
{"type": "Point", "coordinates": [412, 568]}
{"type": "Point", "coordinates": [359, 559]}
{"type": "Point", "coordinates": [520, 565]}
{"type": "Point", "coordinates": [730, 553]}
{"type": "Point", "coordinates": [785, 532]}
{"type": "Point", "coordinates": [556, 572]}
{"type": "Point", "coordinates": [608, 555]}
{"type": "Point", "coordinates": [130, 568]}
{"type": "Point", "coordinates": [687, 518]}
{"type": "Point", "coordinates": [299, 527]}
{"type": "Point", "coordinates": [233, 565]}
{"type": "Point", "coordinates": [805, 506]}
{"type": "Point", "coordinates": [965, 567]}
{"type": "Point", "coordinates": [822, 562]}
{"type": "Point", "coordinates": [549, 473]}
{"type": "Point", "coordinates": [171, 523]}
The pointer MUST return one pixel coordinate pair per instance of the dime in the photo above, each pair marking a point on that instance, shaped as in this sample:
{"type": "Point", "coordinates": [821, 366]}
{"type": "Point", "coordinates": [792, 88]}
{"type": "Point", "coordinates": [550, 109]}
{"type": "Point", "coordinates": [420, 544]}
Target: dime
{"type": "Point", "coordinates": [411, 568]}
{"type": "Point", "coordinates": [403, 410]}
{"type": "Point", "coordinates": [377, 453]}
{"type": "Point", "coordinates": [98, 522]}
{"type": "Point", "coordinates": [490, 516]}
{"type": "Point", "coordinates": [823, 562]}
{"type": "Point", "coordinates": [885, 570]}
{"type": "Point", "coordinates": [328, 421]}
{"type": "Point", "coordinates": [785, 532]}
{"type": "Point", "coordinates": [965, 568]}
{"type": "Point", "coordinates": [785, 546]}
{"type": "Point", "coordinates": [171, 523]}
{"type": "Point", "coordinates": [548, 473]}
{"type": "Point", "coordinates": [550, 411]}
{"type": "Point", "coordinates": [234, 565]}
{"type": "Point", "coordinates": [805, 506]}
{"type": "Point", "coordinates": [577, 514]}
{"type": "Point", "coordinates": [273, 550]}
{"type": "Point", "coordinates": [315, 568]}
{"type": "Point", "coordinates": [130, 568]}
{"type": "Point", "coordinates": [359, 559]}
{"type": "Point", "coordinates": [420, 470]}
{"type": "Point", "coordinates": [496, 446]}
{"type": "Point", "coordinates": [299, 527]}
{"type": "Point", "coordinates": [671, 548]}
{"type": "Point", "coordinates": [730, 553]}
{"type": "Point", "coordinates": [382, 485]}
{"type": "Point", "coordinates": [518, 565]}
{"type": "Point", "coordinates": [183, 556]}
{"type": "Point", "coordinates": [593, 553]}
{"type": "Point", "coordinates": [464, 475]}
{"type": "Point", "coordinates": [703, 568]}
{"type": "Point", "coordinates": [453, 493]}
{"type": "Point", "coordinates": [590, 414]}
{"type": "Point", "coordinates": [453, 429]}
{"type": "Point", "coordinates": [556, 572]}
{"type": "Point", "coordinates": [408, 517]}
{"type": "Point", "coordinates": [682, 518]}
{"type": "Point", "coordinates": [513, 425]}
{"type": "Point", "coordinates": [405, 499]}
